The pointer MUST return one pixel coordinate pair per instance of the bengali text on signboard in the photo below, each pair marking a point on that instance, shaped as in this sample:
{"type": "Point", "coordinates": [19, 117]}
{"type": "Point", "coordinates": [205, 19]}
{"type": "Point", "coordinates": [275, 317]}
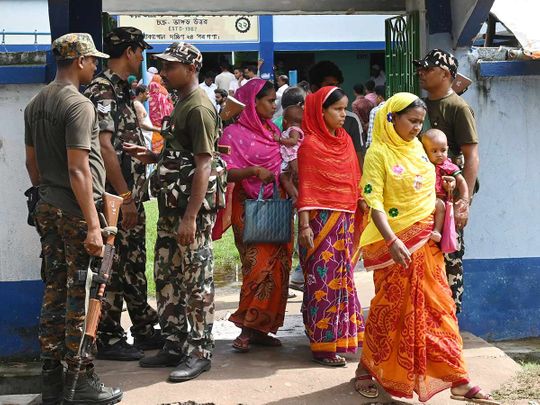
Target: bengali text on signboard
{"type": "Point", "coordinates": [194, 28]}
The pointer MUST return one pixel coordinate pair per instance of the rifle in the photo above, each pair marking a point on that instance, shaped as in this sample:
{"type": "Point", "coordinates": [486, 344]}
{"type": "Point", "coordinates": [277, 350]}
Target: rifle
{"type": "Point", "coordinates": [96, 282]}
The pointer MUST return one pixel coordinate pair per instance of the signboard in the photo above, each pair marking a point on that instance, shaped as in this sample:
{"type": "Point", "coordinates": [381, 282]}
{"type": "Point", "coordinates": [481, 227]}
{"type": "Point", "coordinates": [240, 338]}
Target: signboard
{"type": "Point", "coordinates": [192, 28]}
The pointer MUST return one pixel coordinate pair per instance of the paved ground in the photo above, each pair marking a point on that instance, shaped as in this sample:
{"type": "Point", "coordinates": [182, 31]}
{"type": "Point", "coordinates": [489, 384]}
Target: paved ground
{"type": "Point", "coordinates": [283, 375]}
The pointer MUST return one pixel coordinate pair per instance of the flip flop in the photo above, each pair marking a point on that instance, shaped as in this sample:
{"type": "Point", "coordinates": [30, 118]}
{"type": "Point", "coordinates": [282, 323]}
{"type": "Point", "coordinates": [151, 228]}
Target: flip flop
{"type": "Point", "coordinates": [296, 286]}
{"type": "Point", "coordinates": [241, 344]}
{"type": "Point", "coordinates": [374, 391]}
{"type": "Point", "coordinates": [471, 396]}
{"type": "Point", "coordinates": [337, 361]}
{"type": "Point", "coordinates": [265, 340]}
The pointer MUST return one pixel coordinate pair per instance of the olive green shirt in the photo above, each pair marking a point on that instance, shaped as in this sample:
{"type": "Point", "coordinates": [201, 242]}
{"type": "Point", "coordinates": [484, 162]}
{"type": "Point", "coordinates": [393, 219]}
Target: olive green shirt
{"type": "Point", "coordinates": [453, 116]}
{"type": "Point", "coordinates": [57, 119]}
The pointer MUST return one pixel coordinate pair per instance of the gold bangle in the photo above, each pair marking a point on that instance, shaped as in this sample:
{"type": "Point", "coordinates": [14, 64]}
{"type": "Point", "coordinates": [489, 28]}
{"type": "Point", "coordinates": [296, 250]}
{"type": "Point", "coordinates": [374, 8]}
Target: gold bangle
{"type": "Point", "coordinates": [126, 195]}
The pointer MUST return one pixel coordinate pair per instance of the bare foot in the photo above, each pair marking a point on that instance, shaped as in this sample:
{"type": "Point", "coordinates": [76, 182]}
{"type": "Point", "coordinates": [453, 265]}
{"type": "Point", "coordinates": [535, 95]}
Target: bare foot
{"type": "Point", "coordinates": [471, 393]}
{"type": "Point", "coordinates": [364, 384]}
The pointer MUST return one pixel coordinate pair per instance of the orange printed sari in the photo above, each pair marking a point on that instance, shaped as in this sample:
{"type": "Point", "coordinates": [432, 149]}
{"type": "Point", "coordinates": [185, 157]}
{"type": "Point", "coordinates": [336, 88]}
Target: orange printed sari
{"type": "Point", "coordinates": [412, 341]}
{"type": "Point", "coordinates": [265, 271]}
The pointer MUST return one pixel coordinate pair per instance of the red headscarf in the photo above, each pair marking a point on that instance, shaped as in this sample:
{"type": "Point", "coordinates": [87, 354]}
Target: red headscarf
{"type": "Point", "coordinates": [328, 170]}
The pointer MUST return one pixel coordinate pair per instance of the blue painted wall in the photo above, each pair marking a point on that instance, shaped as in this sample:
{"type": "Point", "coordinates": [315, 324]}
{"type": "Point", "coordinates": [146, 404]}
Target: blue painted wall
{"type": "Point", "coordinates": [21, 303]}
{"type": "Point", "coordinates": [502, 298]}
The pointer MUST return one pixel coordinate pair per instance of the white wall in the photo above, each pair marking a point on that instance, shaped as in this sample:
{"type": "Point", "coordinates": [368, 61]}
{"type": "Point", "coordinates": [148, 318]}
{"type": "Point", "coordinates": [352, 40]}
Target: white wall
{"type": "Point", "coordinates": [329, 28]}
{"type": "Point", "coordinates": [19, 243]}
{"type": "Point", "coordinates": [25, 16]}
{"type": "Point", "coordinates": [505, 216]}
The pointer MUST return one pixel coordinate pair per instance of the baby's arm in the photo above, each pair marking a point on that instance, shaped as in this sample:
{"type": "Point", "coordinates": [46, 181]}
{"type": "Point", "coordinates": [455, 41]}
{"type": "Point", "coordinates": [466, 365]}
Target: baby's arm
{"type": "Point", "coordinates": [288, 186]}
{"type": "Point", "coordinates": [292, 140]}
{"type": "Point", "coordinates": [462, 187]}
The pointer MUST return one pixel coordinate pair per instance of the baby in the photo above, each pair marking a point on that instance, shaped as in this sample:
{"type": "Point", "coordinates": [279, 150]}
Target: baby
{"type": "Point", "coordinates": [291, 138]}
{"type": "Point", "coordinates": [448, 176]}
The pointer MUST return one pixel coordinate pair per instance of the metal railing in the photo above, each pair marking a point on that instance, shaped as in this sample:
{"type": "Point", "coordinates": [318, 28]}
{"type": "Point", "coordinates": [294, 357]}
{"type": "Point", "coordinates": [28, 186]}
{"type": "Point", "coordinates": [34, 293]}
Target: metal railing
{"type": "Point", "coordinates": [35, 33]}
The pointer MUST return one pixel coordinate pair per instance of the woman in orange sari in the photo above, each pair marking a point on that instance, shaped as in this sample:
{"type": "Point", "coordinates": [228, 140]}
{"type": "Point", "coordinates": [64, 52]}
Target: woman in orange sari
{"type": "Point", "coordinates": [412, 341]}
{"type": "Point", "coordinates": [255, 160]}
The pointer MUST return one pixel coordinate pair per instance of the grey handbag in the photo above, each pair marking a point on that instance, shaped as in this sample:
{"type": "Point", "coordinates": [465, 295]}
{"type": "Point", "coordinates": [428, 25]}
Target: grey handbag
{"type": "Point", "coordinates": [268, 221]}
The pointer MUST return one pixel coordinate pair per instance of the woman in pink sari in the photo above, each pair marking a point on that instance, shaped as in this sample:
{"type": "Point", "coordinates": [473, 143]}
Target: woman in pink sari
{"type": "Point", "coordinates": [160, 106]}
{"type": "Point", "coordinates": [255, 159]}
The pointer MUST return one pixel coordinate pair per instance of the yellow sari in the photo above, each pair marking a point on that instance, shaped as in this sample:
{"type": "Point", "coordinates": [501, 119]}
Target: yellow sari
{"type": "Point", "coordinates": [411, 341]}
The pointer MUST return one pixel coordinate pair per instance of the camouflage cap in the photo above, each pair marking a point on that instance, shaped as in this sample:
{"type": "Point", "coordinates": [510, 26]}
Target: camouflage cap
{"type": "Point", "coordinates": [439, 58]}
{"type": "Point", "coordinates": [184, 53]}
{"type": "Point", "coordinates": [74, 45]}
{"type": "Point", "coordinates": [126, 35]}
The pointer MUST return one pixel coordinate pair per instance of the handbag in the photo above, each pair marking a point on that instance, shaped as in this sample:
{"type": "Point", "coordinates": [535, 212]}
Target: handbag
{"type": "Point", "coordinates": [268, 221]}
{"type": "Point", "coordinates": [449, 234]}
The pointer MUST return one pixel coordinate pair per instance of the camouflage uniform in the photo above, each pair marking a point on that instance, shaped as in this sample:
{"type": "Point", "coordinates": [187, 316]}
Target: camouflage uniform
{"type": "Point", "coordinates": [184, 274]}
{"type": "Point", "coordinates": [185, 285]}
{"type": "Point", "coordinates": [62, 313]}
{"type": "Point", "coordinates": [116, 114]}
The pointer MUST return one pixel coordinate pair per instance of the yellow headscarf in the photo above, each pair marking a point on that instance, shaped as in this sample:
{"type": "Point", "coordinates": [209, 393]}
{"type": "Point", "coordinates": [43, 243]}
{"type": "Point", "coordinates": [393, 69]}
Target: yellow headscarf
{"type": "Point", "coordinates": [398, 178]}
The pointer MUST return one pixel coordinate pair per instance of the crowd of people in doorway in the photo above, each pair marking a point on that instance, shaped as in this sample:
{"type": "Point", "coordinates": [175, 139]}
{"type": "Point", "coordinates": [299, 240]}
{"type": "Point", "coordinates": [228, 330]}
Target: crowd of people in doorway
{"type": "Point", "coordinates": [363, 184]}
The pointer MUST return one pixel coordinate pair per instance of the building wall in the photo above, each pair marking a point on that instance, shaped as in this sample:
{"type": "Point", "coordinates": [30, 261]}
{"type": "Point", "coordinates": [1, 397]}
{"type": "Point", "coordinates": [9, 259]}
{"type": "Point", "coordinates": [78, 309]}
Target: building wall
{"type": "Point", "coordinates": [502, 266]}
{"type": "Point", "coordinates": [20, 284]}
{"type": "Point", "coordinates": [25, 16]}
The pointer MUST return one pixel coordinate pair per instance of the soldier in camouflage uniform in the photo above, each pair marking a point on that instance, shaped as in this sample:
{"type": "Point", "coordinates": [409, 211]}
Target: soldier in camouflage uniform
{"type": "Point", "coordinates": [183, 253]}
{"type": "Point", "coordinates": [448, 112]}
{"type": "Point", "coordinates": [63, 159]}
{"type": "Point", "coordinates": [109, 91]}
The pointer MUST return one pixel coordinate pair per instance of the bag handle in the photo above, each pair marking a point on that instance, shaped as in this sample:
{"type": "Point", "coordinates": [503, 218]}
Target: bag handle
{"type": "Point", "coordinates": [274, 197]}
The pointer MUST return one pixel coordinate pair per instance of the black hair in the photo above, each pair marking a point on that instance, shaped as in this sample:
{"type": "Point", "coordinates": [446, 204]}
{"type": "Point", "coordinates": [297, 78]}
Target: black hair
{"type": "Point", "coordinates": [116, 51]}
{"type": "Point", "coordinates": [64, 63]}
{"type": "Point", "coordinates": [359, 88]}
{"type": "Point", "coordinates": [370, 86]}
{"type": "Point", "coordinates": [323, 69]}
{"type": "Point", "coordinates": [225, 65]}
{"type": "Point", "coordinates": [268, 85]}
{"type": "Point", "coordinates": [304, 85]}
{"type": "Point", "coordinates": [252, 68]}
{"type": "Point", "coordinates": [284, 78]}
{"type": "Point", "coordinates": [380, 91]}
{"type": "Point", "coordinates": [223, 92]}
{"type": "Point", "coordinates": [334, 97]}
{"type": "Point", "coordinates": [294, 95]}
{"type": "Point", "coordinates": [141, 88]}
{"type": "Point", "coordinates": [418, 103]}
{"type": "Point", "coordinates": [209, 75]}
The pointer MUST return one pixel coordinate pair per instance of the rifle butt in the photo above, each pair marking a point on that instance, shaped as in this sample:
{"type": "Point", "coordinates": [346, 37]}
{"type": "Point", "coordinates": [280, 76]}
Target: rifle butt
{"type": "Point", "coordinates": [92, 317]}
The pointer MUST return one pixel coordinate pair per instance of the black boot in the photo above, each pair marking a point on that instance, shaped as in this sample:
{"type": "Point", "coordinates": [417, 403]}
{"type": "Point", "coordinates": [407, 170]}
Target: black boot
{"type": "Point", "coordinates": [52, 382]}
{"type": "Point", "coordinates": [120, 350]}
{"type": "Point", "coordinates": [89, 390]}
{"type": "Point", "coordinates": [152, 341]}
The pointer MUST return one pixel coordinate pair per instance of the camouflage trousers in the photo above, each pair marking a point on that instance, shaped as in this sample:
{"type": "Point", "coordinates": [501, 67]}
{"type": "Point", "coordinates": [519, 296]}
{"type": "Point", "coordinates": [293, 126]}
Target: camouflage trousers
{"type": "Point", "coordinates": [62, 311]}
{"type": "Point", "coordinates": [128, 282]}
{"type": "Point", "coordinates": [185, 286]}
{"type": "Point", "coordinates": [454, 270]}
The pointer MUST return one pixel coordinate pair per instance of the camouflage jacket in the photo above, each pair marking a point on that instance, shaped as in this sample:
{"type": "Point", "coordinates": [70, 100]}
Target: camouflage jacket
{"type": "Point", "coordinates": [116, 113]}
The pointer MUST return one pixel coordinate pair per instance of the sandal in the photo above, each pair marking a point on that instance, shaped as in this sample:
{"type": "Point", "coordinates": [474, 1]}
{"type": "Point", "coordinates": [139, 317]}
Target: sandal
{"type": "Point", "coordinates": [264, 340]}
{"type": "Point", "coordinates": [367, 391]}
{"type": "Point", "coordinates": [472, 396]}
{"type": "Point", "coordinates": [241, 344]}
{"type": "Point", "coordinates": [296, 286]}
{"type": "Point", "coordinates": [336, 361]}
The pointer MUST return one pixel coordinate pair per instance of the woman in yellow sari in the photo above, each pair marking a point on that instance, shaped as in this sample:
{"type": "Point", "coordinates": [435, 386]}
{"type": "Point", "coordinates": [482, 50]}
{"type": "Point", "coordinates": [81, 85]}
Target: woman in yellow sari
{"type": "Point", "coordinates": [411, 341]}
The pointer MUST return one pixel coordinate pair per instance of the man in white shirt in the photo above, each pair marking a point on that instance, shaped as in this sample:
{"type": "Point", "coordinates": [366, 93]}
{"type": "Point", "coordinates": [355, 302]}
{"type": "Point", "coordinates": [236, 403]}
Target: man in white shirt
{"type": "Point", "coordinates": [283, 84]}
{"type": "Point", "coordinates": [224, 79]}
{"type": "Point", "coordinates": [209, 86]}
{"type": "Point", "coordinates": [377, 75]}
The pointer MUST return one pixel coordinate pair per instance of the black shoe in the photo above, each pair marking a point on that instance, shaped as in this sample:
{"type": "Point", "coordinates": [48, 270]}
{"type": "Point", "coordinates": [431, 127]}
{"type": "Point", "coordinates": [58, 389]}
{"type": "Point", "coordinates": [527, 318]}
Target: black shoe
{"type": "Point", "coordinates": [152, 342]}
{"type": "Point", "coordinates": [162, 359]}
{"type": "Point", "coordinates": [90, 391]}
{"type": "Point", "coordinates": [193, 367]}
{"type": "Point", "coordinates": [52, 382]}
{"type": "Point", "coordinates": [120, 350]}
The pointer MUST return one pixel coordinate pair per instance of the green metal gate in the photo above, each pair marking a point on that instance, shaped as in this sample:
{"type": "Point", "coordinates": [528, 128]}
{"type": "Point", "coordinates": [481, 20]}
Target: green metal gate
{"type": "Point", "coordinates": [402, 47]}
